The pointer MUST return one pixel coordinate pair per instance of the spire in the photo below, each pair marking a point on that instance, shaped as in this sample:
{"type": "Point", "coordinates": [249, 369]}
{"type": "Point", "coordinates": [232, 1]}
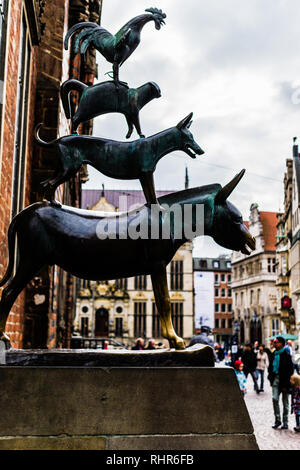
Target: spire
{"type": "Point", "coordinates": [186, 184]}
{"type": "Point", "coordinates": [295, 148]}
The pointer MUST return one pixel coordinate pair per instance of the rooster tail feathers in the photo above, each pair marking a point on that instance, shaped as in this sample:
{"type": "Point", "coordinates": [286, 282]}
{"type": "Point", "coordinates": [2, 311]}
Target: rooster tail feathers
{"type": "Point", "coordinates": [77, 27]}
{"type": "Point", "coordinates": [83, 34]}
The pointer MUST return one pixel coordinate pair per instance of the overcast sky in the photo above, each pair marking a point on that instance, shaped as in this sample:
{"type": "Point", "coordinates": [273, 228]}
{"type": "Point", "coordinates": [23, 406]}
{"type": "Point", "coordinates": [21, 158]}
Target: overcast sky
{"type": "Point", "coordinates": [236, 65]}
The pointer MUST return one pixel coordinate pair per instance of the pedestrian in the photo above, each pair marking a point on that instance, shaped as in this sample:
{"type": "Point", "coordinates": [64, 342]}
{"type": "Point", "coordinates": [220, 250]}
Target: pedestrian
{"type": "Point", "coordinates": [290, 348]}
{"type": "Point", "coordinates": [203, 338]}
{"type": "Point", "coordinates": [295, 382]}
{"type": "Point", "coordinates": [242, 380]}
{"type": "Point", "coordinates": [139, 345]}
{"type": "Point", "coordinates": [151, 345]}
{"type": "Point", "coordinates": [262, 364]}
{"type": "Point", "coordinates": [280, 371]}
{"type": "Point", "coordinates": [256, 347]}
{"type": "Point", "coordinates": [228, 359]}
{"type": "Point", "coordinates": [250, 364]}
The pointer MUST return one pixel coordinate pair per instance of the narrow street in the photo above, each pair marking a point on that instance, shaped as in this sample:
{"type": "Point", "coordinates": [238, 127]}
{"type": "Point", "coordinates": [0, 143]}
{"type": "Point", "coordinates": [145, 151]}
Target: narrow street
{"type": "Point", "coordinates": [260, 409]}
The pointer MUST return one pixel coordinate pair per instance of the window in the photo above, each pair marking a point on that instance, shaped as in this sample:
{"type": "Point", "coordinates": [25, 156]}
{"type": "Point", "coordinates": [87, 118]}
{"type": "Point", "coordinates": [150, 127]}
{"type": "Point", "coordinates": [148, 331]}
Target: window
{"type": "Point", "coordinates": [217, 307]}
{"type": "Point", "coordinates": [251, 297]}
{"type": "Point", "coordinates": [229, 308]}
{"type": "Point", "coordinates": [176, 275]}
{"type": "Point", "coordinates": [156, 327]}
{"type": "Point", "coordinates": [230, 323]}
{"type": "Point", "coordinates": [284, 266]}
{"type": "Point", "coordinates": [216, 264]}
{"type": "Point", "coordinates": [139, 319]}
{"type": "Point", "coordinates": [258, 296]}
{"type": "Point", "coordinates": [229, 293]}
{"type": "Point", "coordinates": [222, 277]}
{"type": "Point", "coordinates": [140, 282]}
{"type": "Point", "coordinates": [84, 326]}
{"type": "Point", "coordinates": [228, 264]}
{"type": "Point", "coordinates": [177, 317]}
{"type": "Point", "coordinates": [229, 279]}
{"type": "Point", "coordinates": [203, 263]}
{"type": "Point", "coordinates": [223, 308]}
{"type": "Point", "coordinates": [121, 283]}
{"type": "Point", "coordinates": [275, 327]}
{"type": "Point", "coordinates": [21, 121]}
{"type": "Point", "coordinates": [222, 292]}
{"type": "Point", "coordinates": [216, 292]}
{"type": "Point", "coordinates": [223, 323]}
{"type": "Point", "coordinates": [217, 323]}
{"type": "Point", "coordinates": [119, 327]}
{"type": "Point", "coordinates": [216, 279]}
{"type": "Point", "coordinates": [271, 265]}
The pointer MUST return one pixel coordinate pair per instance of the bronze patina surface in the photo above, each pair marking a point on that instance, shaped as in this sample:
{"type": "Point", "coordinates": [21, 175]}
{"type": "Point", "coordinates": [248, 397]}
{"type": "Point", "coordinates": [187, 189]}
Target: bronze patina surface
{"type": "Point", "coordinates": [96, 246]}
{"type": "Point", "coordinates": [115, 48]}
{"type": "Point", "coordinates": [104, 98]}
{"type": "Point", "coordinates": [122, 160]}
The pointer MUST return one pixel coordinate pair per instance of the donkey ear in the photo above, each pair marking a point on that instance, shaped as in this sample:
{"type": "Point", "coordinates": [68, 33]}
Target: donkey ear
{"type": "Point", "coordinates": [225, 192]}
{"type": "Point", "coordinates": [185, 121]}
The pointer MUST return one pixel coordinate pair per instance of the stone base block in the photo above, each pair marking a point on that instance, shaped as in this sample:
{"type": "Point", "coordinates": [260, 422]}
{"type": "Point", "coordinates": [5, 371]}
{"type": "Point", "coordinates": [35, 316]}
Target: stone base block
{"type": "Point", "coordinates": [164, 408]}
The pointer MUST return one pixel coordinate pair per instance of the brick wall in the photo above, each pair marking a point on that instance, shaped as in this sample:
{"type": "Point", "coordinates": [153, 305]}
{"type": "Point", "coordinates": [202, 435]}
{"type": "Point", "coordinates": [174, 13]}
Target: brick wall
{"type": "Point", "coordinates": [16, 318]}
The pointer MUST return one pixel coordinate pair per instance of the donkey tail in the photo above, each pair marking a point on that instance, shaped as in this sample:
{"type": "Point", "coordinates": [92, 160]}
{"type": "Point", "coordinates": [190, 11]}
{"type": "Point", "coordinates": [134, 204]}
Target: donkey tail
{"type": "Point", "coordinates": [65, 91]}
{"type": "Point", "coordinates": [11, 251]}
{"type": "Point", "coordinates": [37, 137]}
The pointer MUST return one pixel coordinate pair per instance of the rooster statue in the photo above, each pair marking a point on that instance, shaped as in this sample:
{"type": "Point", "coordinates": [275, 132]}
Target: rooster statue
{"type": "Point", "coordinates": [115, 48]}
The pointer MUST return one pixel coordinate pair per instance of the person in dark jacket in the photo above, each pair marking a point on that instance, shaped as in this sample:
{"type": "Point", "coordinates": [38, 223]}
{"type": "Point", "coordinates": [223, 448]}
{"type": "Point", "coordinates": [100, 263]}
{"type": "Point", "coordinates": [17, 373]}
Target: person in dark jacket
{"type": "Point", "coordinates": [280, 371]}
{"type": "Point", "coordinates": [250, 363]}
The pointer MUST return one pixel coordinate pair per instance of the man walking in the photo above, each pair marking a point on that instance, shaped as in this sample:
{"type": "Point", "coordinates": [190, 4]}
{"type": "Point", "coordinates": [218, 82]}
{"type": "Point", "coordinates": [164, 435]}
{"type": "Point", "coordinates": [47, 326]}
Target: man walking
{"type": "Point", "coordinates": [249, 360]}
{"type": "Point", "coordinates": [280, 370]}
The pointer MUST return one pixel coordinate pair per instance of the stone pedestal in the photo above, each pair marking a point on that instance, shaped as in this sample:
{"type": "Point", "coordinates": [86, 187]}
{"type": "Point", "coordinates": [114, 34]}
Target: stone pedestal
{"type": "Point", "coordinates": [122, 408]}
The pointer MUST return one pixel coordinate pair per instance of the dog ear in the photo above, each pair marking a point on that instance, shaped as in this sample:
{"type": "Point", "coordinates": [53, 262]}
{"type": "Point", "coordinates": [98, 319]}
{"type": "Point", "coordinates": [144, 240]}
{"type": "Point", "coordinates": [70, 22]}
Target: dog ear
{"type": "Point", "coordinates": [185, 122]}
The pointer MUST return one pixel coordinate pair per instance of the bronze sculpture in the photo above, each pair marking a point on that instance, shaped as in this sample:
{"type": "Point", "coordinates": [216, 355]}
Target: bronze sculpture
{"type": "Point", "coordinates": [69, 238]}
{"type": "Point", "coordinates": [93, 245]}
{"type": "Point", "coordinates": [115, 48]}
{"type": "Point", "coordinates": [122, 160]}
{"type": "Point", "coordinates": [104, 98]}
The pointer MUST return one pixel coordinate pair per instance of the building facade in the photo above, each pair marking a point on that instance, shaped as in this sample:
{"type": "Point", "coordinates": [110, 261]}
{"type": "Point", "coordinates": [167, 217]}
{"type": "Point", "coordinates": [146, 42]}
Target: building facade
{"type": "Point", "coordinates": [288, 248]}
{"type": "Point", "coordinates": [256, 316]}
{"type": "Point", "coordinates": [213, 296]}
{"type": "Point", "coordinates": [125, 309]}
{"type": "Point", "coordinates": [33, 64]}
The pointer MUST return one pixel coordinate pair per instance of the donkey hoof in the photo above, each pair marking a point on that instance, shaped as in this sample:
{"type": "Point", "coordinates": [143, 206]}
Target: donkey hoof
{"type": "Point", "coordinates": [177, 343]}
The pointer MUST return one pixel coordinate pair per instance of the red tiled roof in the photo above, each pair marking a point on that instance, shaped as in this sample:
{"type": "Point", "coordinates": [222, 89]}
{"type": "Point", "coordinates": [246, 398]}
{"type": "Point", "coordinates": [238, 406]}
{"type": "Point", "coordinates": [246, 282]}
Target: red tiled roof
{"type": "Point", "coordinates": [269, 223]}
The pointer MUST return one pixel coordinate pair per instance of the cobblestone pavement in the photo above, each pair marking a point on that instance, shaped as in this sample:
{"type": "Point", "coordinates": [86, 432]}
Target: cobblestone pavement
{"type": "Point", "coordinates": [260, 409]}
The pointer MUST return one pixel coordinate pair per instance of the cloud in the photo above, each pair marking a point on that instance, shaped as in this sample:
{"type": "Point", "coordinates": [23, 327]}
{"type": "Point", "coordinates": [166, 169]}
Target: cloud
{"type": "Point", "coordinates": [236, 66]}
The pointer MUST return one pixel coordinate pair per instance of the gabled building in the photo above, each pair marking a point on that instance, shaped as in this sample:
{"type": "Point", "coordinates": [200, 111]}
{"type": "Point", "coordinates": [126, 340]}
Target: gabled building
{"type": "Point", "coordinates": [295, 239]}
{"type": "Point", "coordinates": [254, 293]}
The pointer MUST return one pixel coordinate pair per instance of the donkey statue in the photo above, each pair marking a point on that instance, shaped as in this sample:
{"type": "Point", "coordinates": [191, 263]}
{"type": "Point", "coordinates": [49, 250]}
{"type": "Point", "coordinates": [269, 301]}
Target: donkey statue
{"type": "Point", "coordinates": [121, 160]}
{"type": "Point", "coordinates": [73, 240]}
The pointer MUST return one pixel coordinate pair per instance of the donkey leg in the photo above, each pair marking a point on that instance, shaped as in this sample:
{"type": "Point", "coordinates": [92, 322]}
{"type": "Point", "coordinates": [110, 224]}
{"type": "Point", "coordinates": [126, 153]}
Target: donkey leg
{"type": "Point", "coordinates": [162, 299]}
{"type": "Point", "coordinates": [25, 272]}
{"type": "Point", "coordinates": [147, 183]}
